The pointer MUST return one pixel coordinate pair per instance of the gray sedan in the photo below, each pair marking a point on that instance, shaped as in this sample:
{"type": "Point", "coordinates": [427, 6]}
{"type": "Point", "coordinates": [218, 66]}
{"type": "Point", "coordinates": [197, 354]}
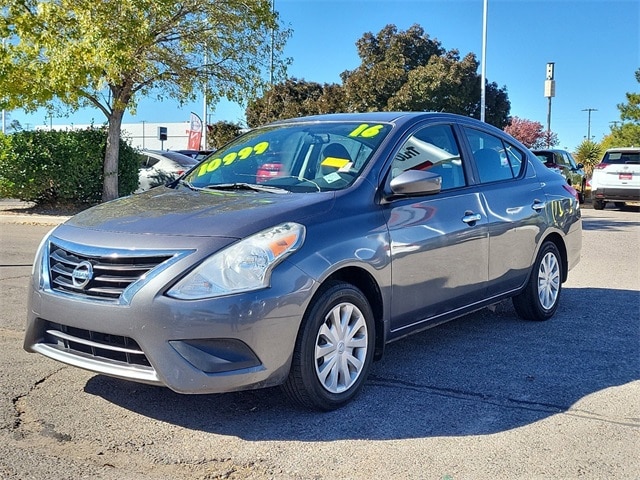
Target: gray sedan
{"type": "Point", "coordinates": [297, 252]}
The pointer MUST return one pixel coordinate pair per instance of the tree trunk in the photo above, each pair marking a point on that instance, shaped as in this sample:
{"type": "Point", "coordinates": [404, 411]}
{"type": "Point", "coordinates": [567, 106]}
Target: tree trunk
{"type": "Point", "coordinates": [111, 154]}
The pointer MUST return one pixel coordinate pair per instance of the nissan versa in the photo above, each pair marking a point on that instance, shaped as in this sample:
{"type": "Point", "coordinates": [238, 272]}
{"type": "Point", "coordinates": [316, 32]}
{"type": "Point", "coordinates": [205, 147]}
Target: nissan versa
{"type": "Point", "coordinates": [294, 254]}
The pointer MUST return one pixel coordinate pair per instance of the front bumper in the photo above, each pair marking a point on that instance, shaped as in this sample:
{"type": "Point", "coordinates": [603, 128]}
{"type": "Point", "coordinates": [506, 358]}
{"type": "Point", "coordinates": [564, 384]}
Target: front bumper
{"type": "Point", "coordinates": [215, 345]}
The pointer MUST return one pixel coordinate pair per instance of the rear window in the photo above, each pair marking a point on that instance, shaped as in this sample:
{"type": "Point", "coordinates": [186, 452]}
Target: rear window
{"type": "Point", "coordinates": [545, 157]}
{"type": "Point", "coordinates": [621, 158]}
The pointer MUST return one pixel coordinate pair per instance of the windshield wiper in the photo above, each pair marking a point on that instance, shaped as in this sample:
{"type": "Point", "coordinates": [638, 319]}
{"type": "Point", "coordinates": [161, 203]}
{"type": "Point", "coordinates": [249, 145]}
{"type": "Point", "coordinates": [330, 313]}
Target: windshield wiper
{"type": "Point", "coordinates": [188, 185]}
{"type": "Point", "coordinates": [246, 186]}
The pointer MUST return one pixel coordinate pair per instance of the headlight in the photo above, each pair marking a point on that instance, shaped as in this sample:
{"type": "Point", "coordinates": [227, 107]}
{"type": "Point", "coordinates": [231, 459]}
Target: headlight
{"type": "Point", "coordinates": [37, 261]}
{"type": "Point", "coordinates": [241, 267]}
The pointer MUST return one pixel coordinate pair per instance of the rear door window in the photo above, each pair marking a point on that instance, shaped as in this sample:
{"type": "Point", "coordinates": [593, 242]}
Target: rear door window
{"type": "Point", "coordinates": [495, 159]}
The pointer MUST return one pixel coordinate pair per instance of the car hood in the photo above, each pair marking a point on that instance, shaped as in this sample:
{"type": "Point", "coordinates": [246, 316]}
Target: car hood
{"type": "Point", "coordinates": [165, 211]}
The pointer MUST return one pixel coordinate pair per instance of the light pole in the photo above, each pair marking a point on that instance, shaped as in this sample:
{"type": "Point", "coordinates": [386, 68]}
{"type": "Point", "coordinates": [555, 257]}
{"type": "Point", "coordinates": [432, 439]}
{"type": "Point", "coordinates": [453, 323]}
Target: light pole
{"type": "Point", "coordinates": [589, 110]}
{"type": "Point", "coordinates": [549, 92]}
{"type": "Point", "coordinates": [483, 76]}
{"type": "Point", "coordinates": [4, 117]}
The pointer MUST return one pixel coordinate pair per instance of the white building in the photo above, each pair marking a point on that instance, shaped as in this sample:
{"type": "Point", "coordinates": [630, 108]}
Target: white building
{"type": "Point", "coordinates": [144, 135]}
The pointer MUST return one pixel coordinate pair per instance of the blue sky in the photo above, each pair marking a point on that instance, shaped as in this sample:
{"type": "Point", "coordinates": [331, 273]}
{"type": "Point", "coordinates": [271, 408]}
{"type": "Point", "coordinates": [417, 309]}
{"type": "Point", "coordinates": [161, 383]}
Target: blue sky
{"type": "Point", "coordinates": [595, 45]}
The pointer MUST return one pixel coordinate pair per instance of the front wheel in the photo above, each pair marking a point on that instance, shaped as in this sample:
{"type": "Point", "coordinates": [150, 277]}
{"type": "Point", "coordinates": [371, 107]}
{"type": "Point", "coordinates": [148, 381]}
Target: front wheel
{"type": "Point", "coordinates": [334, 349]}
{"type": "Point", "coordinates": [539, 299]}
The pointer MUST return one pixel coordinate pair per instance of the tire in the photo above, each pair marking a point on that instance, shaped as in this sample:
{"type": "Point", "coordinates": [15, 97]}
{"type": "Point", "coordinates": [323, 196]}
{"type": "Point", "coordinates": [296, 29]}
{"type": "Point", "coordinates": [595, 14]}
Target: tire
{"type": "Point", "coordinates": [330, 363]}
{"type": "Point", "coordinates": [619, 204]}
{"type": "Point", "coordinates": [581, 197]}
{"type": "Point", "coordinates": [539, 300]}
{"type": "Point", "coordinates": [598, 204]}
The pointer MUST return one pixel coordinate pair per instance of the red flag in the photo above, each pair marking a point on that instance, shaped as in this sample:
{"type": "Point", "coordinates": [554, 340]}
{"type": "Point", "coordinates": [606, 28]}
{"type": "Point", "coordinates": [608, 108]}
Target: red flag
{"type": "Point", "coordinates": [195, 132]}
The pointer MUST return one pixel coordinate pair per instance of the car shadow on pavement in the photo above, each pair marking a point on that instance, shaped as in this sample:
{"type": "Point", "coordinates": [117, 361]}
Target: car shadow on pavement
{"type": "Point", "coordinates": [484, 373]}
{"type": "Point", "coordinates": [607, 224]}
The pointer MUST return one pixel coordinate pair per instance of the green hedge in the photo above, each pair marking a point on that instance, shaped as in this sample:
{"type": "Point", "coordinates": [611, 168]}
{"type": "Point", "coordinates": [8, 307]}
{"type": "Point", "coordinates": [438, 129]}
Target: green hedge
{"type": "Point", "coordinates": [51, 167]}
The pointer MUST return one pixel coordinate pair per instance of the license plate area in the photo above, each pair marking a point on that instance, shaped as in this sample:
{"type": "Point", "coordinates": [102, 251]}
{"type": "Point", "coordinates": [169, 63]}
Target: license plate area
{"type": "Point", "coordinates": [625, 176]}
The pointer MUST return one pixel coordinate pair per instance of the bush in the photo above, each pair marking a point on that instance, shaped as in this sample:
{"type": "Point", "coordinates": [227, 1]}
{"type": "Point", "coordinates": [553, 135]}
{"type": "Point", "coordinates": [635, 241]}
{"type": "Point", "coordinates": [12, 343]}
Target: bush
{"type": "Point", "coordinates": [589, 154]}
{"type": "Point", "coordinates": [52, 167]}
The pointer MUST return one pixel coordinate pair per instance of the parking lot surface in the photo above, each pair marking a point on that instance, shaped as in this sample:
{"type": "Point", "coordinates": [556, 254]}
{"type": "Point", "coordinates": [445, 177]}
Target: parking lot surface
{"type": "Point", "coordinates": [485, 396]}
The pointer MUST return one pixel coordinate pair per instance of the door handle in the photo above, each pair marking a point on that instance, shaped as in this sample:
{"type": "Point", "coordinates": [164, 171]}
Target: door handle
{"type": "Point", "coordinates": [538, 205]}
{"type": "Point", "coordinates": [471, 218]}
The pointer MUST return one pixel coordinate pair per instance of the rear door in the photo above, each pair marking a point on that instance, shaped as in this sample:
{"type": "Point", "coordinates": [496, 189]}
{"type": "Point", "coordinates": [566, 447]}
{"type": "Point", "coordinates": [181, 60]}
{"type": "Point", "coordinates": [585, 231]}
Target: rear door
{"type": "Point", "coordinates": [515, 204]}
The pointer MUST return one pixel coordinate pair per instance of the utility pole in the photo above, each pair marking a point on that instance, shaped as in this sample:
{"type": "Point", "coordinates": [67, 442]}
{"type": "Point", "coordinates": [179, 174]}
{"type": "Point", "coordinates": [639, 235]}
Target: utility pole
{"type": "Point", "coordinates": [589, 110]}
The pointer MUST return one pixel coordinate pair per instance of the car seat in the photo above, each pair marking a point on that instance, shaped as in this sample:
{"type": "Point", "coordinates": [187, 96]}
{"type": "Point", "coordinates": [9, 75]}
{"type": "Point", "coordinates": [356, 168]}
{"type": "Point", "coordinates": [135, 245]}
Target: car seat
{"type": "Point", "coordinates": [490, 165]}
{"type": "Point", "coordinates": [333, 158]}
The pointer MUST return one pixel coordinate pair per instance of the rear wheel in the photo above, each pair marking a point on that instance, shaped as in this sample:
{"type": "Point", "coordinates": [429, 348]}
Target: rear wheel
{"type": "Point", "coordinates": [598, 204]}
{"type": "Point", "coordinates": [539, 299]}
{"type": "Point", "coordinates": [334, 349]}
{"type": "Point", "coordinates": [619, 204]}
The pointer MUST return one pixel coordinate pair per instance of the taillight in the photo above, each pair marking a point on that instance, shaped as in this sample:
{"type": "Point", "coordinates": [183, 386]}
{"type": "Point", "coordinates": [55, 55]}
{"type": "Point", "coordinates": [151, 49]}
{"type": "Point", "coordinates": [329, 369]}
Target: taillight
{"type": "Point", "coordinates": [572, 191]}
{"type": "Point", "coordinates": [180, 172]}
{"type": "Point", "coordinates": [267, 171]}
{"type": "Point", "coordinates": [600, 166]}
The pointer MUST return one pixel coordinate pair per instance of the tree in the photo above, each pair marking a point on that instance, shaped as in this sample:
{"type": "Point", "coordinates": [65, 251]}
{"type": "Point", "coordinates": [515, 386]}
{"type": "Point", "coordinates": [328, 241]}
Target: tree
{"type": "Point", "coordinates": [386, 60]}
{"type": "Point", "coordinates": [452, 85]}
{"type": "Point", "coordinates": [107, 54]}
{"type": "Point", "coordinates": [531, 134]}
{"type": "Point", "coordinates": [631, 110]}
{"type": "Point", "coordinates": [289, 99]}
{"type": "Point", "coordinates": [627, 134]}
{"type": "Point", "coordinates": [404, 70]}
{"type": "Point", "coordinates": [295, 98]}
{"type": "Point", "coordinates": [222, 132]}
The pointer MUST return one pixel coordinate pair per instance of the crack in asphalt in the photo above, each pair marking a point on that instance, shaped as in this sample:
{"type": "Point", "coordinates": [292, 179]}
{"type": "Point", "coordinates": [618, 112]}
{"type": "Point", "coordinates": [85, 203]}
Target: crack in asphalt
{"type": "Point", "coordinates": [15, 400]}
{"type": "Point", "coordinates": [506, 402]}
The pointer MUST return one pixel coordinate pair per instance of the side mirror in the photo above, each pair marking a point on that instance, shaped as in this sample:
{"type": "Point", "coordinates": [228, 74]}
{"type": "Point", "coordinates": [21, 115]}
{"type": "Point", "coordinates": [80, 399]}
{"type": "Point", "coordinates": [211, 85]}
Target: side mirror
{"type": "Point", "coordinates": [416, 182]}
{"type": "Point", "coordinates": [579, 166]}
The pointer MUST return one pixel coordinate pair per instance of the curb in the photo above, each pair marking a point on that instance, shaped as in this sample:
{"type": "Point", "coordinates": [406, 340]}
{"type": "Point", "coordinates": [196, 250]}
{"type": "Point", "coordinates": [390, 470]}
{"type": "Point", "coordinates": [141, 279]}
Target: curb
{"type": "Point", "coordinates": [10, 214]}
{"type": "Point", "coordinates": [31, 219]}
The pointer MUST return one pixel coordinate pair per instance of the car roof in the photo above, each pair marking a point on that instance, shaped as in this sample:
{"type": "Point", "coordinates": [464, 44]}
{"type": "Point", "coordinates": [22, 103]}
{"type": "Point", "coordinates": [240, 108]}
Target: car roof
{"type": "Point", "coordinates": [387, 117]}
{"type": "Point", "coordinates": [172, 155]}
{"type": "Point", "coordinates": [559, 150]}
{"type": "Point", "coordinates": [623, 149]}
{"type": "Point", "coordinates": [397, 118]}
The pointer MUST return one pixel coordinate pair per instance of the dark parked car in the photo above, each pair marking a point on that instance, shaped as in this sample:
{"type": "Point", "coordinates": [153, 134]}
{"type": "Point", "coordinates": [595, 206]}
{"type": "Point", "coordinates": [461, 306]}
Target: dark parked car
{"type": "Point", "coordinates": [564, 163]}
{"type": "Point", "coordinates": [363, 228]}
{"type": "Point", "coordinates": [197, 154]}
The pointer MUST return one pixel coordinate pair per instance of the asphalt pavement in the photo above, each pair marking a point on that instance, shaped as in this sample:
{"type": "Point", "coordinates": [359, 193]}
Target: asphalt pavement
{"type": "Point", "coordinates": [487, 396]}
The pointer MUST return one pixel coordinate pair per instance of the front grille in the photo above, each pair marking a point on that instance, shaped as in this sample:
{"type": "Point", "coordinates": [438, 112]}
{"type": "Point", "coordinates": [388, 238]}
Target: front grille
{"type": "Point", "coordinates": [100, 346]}
{"type": "Point", "coordinates": [97, 276]}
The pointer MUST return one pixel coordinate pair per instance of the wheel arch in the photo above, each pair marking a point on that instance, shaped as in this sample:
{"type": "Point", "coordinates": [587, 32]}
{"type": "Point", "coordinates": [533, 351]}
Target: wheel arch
{"type": "Point", "coordinates": [364, 281]}
{"type": "Point", "coordinates": [556, 239]}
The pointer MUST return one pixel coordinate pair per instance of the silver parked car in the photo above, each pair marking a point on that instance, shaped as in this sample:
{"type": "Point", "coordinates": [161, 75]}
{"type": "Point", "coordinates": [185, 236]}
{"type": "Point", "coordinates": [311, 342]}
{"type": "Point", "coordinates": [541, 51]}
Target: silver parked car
{"type": "Point", "coordinates": [159, 167]}
{"type": "Point", "coordinates": [297, 252]}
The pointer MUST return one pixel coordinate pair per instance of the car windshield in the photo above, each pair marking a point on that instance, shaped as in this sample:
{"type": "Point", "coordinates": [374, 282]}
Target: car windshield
{"type": "Point", "coordinates": [303, 157]}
